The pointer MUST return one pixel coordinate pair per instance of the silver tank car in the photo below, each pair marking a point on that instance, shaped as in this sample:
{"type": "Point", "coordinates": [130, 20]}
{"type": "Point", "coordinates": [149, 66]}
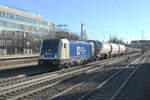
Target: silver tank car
{"type": "Point", "coordinates": [122, 49]}
{"type": "Point", "coordinates": [104, 50]}
{"type": "Point", "coordinates": [115, 49]}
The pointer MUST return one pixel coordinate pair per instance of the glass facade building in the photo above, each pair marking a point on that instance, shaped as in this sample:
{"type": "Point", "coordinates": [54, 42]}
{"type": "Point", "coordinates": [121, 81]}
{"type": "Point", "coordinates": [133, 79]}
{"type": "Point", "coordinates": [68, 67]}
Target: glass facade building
{"type": "Point", "coordinates": [21, 31]}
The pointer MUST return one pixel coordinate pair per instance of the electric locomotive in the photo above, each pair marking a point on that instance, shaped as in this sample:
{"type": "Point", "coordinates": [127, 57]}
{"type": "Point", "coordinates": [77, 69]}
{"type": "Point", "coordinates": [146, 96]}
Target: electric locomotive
{"type": "Point", "coordinates": [63, 53]}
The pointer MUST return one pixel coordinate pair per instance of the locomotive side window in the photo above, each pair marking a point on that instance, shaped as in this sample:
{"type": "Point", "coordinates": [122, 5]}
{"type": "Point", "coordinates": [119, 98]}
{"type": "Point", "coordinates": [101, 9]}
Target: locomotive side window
{"type": "Point", "coordinates": [65, 45]}
{"type": "Point", "coordinates": [78, 50]}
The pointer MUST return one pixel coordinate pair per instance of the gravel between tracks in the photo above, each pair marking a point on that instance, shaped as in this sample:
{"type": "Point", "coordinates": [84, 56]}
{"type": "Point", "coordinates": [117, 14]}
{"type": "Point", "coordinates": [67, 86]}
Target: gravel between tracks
{"type": "Point", "coordinates": [75, 93]}
{"type": "Point", "coordinates": [75, 81]}
{"type": "Point", "coordinates": [26, 71]}
{"type": "Point", "coordinates": [138, 87]}
{"type": "Point", "coordinates": [15, 92]}
{"type": "Point", "coordinates": [103, 74]}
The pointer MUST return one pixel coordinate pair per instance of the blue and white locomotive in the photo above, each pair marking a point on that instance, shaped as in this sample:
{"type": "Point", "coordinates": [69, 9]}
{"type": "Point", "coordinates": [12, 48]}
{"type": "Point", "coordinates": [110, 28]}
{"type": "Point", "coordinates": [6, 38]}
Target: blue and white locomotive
{"type": "Point", "coordinates": [62, 53]}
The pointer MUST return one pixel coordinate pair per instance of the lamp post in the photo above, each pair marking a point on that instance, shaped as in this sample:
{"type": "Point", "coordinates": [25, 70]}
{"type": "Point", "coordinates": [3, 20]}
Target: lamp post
{"type": "Point", "coordinates": [142, 41]}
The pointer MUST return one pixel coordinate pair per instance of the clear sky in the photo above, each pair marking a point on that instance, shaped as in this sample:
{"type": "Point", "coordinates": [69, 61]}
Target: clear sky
{"type": "Point", "coordinates": [122, 18]}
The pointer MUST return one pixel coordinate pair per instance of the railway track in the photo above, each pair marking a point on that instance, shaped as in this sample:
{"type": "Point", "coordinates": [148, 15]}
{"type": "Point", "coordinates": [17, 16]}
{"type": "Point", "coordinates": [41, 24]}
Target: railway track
{"type": "Point", "coordinates": [17, 57]}
{"type": "Point", "coordinates": [23, 72]}
{"type": "Point", "coordinates": [16, 88]}
{"type": "Point", "coordinates": [112, 86]}
{"type": "Point", "coordinates": [11, 79]}
{"type": "Point", "coordinates": [72, 89]}
{"type": "Point", "coordinates": [14, 63]}
{"type": "Point", "coordinates": [24, 69]}
{"type": "Point", "coordinates": [17, 61]}
{"type": "Point", "coordinates": [16, 66]}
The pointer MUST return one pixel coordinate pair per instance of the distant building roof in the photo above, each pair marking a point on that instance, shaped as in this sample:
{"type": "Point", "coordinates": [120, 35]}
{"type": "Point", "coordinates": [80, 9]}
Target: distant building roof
{"type": "Point", "coordinates": [140, 43]}
{"type": "Point", "coordinates": [144, 41]}
{"type": "Point", "coordinates": [20, 12]}
{"type": "Point", "coordinates": [134, 41]}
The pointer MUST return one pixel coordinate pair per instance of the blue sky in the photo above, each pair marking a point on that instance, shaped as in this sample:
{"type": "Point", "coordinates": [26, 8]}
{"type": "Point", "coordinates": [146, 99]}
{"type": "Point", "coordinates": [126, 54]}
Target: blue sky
{"type": "Point", "coordinates": [124, 19]}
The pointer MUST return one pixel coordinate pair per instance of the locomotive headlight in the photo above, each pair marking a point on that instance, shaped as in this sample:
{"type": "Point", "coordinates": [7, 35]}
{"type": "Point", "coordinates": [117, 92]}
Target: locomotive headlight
{"type": "Point", "coordinates": [55, 56]}
{"type": "Point", "coordinates": [42, 56]}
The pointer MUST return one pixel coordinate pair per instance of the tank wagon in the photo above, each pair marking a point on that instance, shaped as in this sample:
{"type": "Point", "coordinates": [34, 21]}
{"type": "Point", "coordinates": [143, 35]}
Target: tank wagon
{"type": "Point", "coordinates": [114, 49]}
{"type": "Point", "coordinates": [62, 53]}
{"type": "Point", "coordinates": [122, 49]}
{"type": "Point", "coordinates": [102, 50]}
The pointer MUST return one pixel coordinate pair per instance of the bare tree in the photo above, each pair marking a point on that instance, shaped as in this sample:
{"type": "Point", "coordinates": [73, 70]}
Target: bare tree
{"type": "Point", "coordinates": [116, 40]}
{"type": "Point", "coordinates": [66, 35]}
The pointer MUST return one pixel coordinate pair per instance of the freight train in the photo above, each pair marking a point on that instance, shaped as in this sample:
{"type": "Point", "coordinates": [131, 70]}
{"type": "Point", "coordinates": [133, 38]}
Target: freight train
{"type": "Point", "coordinates": [63, 53]}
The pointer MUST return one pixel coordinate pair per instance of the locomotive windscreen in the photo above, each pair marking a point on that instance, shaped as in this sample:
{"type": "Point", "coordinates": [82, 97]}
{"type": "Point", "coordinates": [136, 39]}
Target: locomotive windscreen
{"type": "Point", "coordinates": [50, 44]}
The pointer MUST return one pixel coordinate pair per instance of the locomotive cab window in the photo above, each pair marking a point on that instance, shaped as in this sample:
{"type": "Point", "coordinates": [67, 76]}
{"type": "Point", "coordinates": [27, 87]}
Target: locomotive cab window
{"type": "Point", "coordinates": [50, 44]}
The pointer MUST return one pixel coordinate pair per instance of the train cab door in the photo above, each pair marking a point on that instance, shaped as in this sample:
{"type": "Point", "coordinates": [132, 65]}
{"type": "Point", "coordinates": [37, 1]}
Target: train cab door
{"type": "Point", "coordinates": [66, 50]}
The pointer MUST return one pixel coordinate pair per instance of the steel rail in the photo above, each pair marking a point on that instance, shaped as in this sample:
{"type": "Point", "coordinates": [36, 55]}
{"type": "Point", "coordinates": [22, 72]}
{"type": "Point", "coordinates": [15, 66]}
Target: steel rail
{"type": "Point", "coordinates": [85, 96]}
{"type": "Point", "coordinates": [30, 83]}
{"type": "Point", "coordinates": [126, 81]}
{"type": "Point", "coordinates": [6, 81]}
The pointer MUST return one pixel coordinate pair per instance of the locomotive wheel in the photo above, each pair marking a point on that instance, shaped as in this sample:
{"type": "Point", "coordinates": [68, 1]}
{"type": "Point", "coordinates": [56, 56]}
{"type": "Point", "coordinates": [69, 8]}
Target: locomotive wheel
{"type": "Point", "coordinates": [67, 65]}
{"type": "Point", "coordinates": [59, 67]}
